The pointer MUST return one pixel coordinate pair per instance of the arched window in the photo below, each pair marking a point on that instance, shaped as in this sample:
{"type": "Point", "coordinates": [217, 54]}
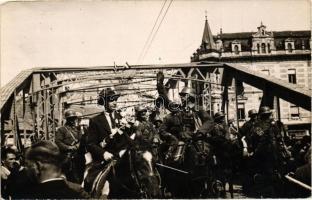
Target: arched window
{"type": "Point", "coordinates": [236, 49]}
{"type": "Point", "coordinates": [289, 47]}
{"type": "Point", "coordinates": [263, 48]}
{"type": "Point", "coordinates": [269, 48]}
{"type": "Point", "coordinates": [258, 48]}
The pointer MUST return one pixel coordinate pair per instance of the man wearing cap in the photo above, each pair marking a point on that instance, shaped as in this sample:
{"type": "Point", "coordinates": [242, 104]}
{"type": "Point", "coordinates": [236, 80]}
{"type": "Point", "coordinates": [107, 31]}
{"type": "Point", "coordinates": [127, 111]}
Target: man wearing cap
{"type": "Point", "coordinates": [145, 131]}
{"type": "Point", "coordinates": [8, 164]}
{"type": "Point", "coordinates": [68, 139]}
{"type": "Point", "coordinates": [189, 118]}
{"type": "Point", "coordinates": [104, 136]}
{"type": "Point", "coordinates": [183, 121]}
{"type": "Point", "coordinates": [246, 131]}
{"type": "Point", "coordinates": [44, 161]}
{"type": "Point", "coordinates": [219, 138]}
{"type": "Point", "coordinates": [266, 140]}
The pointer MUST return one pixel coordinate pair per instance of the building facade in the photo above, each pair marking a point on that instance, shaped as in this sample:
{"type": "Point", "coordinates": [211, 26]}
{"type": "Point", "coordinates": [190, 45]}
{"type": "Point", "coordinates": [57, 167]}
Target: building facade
{"type": "Point", "coordinates": [285, 55]}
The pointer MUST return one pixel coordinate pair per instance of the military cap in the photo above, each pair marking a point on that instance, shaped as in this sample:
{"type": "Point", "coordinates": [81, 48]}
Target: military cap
{"type": "Point", "coordinates": [218, 115]}
{"type": "Point", "coordinates": [189, 91]}
{"type": "Point", "coordinates": [265, 110]}
{"type": "Point", "coordinates": [252, 112]}
{"type": "Point", "coordinates": [70, 113]}
{"type": "Point", "coordinates": [157, 118]}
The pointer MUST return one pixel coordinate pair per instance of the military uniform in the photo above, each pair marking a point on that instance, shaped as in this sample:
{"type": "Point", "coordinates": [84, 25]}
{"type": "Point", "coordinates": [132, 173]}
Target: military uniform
{"type": "Point", "coordinates": [219, 139]}
{"type": "Point", "coordinates": [247, 162]}
{"type": "Point", "coordinates": [67, 139]}
{"type": "Point", "coordinates": [267, 142]}
{"type": "Point", "coordinates": [145, 132]}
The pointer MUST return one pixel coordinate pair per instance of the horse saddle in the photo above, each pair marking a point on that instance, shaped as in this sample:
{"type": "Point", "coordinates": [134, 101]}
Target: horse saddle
{"type": "Point", "coordinates": [96, 177]}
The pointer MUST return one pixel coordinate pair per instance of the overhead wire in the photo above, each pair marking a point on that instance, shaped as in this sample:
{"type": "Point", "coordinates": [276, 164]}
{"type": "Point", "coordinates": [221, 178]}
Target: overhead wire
{"type": "Point", "coordinates": [150, 34]}
{"type": "Point", "coordinates": [155, 33]}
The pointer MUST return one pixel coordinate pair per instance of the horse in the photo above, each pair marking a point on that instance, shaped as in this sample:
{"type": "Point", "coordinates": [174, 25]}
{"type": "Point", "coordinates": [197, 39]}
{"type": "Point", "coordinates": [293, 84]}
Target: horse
{"type": "Point", "coordinates": [188, 173]}
{"type": "Point", "coordinates": [133, 175]}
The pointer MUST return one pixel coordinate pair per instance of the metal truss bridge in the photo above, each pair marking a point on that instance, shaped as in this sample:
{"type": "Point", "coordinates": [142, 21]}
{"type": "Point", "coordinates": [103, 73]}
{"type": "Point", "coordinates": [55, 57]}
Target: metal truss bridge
{"type": "Point", "coordinates": [33, 103]}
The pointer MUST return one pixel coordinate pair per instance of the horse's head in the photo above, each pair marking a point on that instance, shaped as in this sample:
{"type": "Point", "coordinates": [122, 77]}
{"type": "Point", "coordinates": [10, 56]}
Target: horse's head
{"type": "Point", "coordinates": [147, 176]}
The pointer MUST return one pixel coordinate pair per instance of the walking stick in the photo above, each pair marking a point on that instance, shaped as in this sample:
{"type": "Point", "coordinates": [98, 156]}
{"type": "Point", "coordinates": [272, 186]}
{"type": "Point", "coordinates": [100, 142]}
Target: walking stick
{"type": "Point", "coordinates": [298, 182]}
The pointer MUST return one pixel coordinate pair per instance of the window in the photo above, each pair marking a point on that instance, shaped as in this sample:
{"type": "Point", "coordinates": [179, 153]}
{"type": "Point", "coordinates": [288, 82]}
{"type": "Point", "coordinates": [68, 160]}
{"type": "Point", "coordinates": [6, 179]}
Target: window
{"type": "Point", "coordinates": [294, 111]}
{"type": "Point", "coordinates": [263, 48]}
{"type": "Point", "coordinates": [236, 49]}
{"type": "Point", "coordinates": [258, 48]}
{"type": "Point", "coordinates": [266, 72]}
{"type": "Point", "coordinates": [241, 111]}
{"type": "Point", "coordinates": [269, 48]}
{"type": "Point", "coordinates": [292, 76]}
{"type": "Point", "coordinates": [289, 47]}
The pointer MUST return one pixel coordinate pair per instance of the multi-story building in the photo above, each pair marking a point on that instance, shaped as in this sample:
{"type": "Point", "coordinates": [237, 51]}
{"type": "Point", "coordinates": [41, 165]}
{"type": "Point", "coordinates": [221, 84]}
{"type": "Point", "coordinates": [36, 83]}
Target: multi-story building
{"type": "Point", "coordinates": [285, 55]}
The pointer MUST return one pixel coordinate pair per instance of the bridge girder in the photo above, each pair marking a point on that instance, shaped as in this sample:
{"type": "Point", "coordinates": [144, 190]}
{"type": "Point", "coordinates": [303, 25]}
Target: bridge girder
{"type": "Point", "coordinates": [45, 88]}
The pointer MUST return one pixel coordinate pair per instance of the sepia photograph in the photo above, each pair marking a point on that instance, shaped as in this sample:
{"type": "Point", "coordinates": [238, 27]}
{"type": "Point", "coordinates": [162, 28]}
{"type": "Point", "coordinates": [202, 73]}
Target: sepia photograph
{"type": "Point", "coordinates": [155, 99]}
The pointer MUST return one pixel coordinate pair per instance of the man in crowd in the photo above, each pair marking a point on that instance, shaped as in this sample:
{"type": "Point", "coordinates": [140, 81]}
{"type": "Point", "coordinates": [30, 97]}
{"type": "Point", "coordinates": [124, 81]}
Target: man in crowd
{"type": "Point", "coordinates": [9, 163]}
{"type": "Point", "coordinates": [44, 160]}
{"type": "Point", "coordinates": [245, 130]}
{"type": "Point", "coordinates": [68, 138]}
{"type": "Point", "coordinates": [266, 142]}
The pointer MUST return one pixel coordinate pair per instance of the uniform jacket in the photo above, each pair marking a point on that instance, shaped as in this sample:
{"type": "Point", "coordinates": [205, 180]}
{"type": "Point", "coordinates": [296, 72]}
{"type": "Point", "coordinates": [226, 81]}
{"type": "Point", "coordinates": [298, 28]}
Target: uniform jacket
{"type": "Point", "coordinates": [246, 130]}
{"type": "Point", "coordinates": [181, 125]}
{"type": "Point", "coordinates": [145, 132]}
{"type": "Point", "coordinates": [64, 140]}
{"type": "Point", "coordinates": [265, 137]}
{"type": "Point", "coordinates": [98, 140]}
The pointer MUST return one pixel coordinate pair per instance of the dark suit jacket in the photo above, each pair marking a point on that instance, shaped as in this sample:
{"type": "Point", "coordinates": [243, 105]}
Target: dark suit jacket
{"type": "Point", "coordinates": [99, 130]}
{"type": "Point", "coordinates": [56, 189]}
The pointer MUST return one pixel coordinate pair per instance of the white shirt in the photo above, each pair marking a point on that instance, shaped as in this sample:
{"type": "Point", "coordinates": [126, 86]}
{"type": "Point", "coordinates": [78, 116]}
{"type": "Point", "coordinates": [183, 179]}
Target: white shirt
{"type": "Point", "coordinates": [108, 120]}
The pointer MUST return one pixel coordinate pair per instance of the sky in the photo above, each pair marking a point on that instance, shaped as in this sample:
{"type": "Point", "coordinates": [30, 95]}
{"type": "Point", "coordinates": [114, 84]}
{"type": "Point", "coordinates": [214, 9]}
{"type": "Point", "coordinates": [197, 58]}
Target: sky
{"type": "Point", "coordinates": [99, 33]}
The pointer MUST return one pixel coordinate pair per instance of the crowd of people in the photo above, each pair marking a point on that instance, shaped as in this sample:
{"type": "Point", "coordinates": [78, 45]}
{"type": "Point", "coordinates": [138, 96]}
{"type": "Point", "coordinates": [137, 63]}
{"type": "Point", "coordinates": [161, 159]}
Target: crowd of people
{"type": "Point", "coordinates": [258, 155]}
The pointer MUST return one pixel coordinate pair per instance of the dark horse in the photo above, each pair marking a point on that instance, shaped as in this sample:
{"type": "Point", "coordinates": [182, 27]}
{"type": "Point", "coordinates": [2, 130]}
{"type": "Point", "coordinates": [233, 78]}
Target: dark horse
{"type": "Point", "coordinates": [192, 173]}
{"type": "Point", "coordinates": [133, 175]}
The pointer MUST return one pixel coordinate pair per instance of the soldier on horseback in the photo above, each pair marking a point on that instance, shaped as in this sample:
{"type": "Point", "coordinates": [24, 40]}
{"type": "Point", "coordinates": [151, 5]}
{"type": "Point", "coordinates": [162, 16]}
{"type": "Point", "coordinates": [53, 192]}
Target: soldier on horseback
{"type": "Point", "coordinates": [145, 131]}
{"type": "Point", "coordinates": [180, 125]}
{"type": "Point", "coordinates": [179, 129]}
{"type": "Point", "coordinates": [267, 143]}
{"type": "Point", "coordinates": [68, 139]}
